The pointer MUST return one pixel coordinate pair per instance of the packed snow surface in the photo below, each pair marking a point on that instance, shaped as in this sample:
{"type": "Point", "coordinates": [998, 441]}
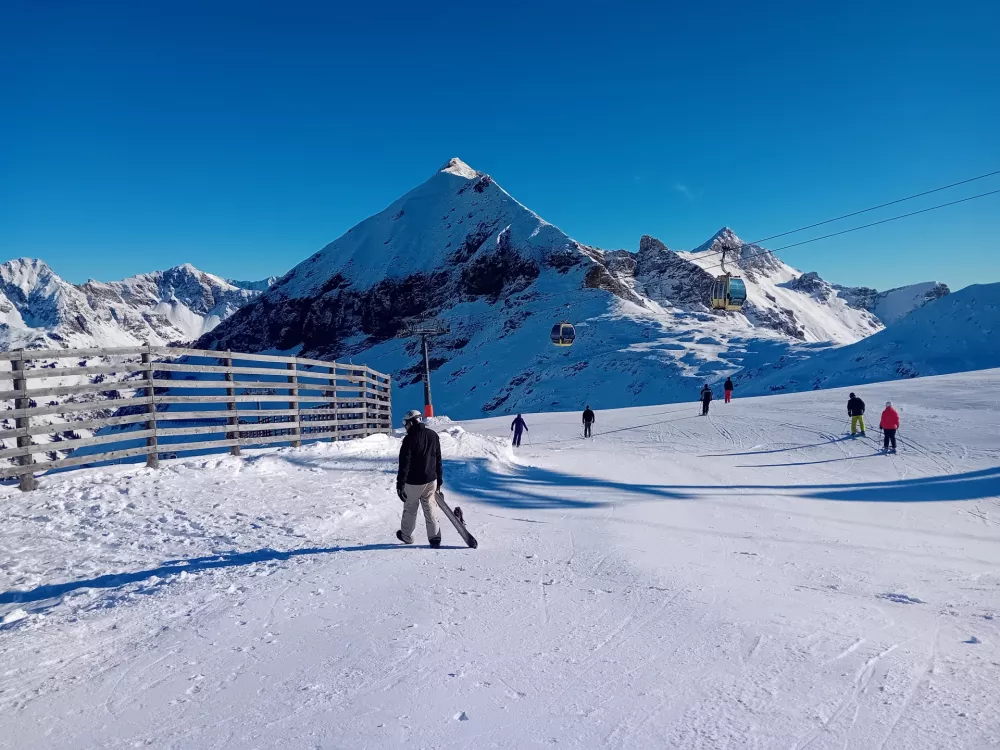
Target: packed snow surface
{"type": "Point", "coordinates": [753, 579]}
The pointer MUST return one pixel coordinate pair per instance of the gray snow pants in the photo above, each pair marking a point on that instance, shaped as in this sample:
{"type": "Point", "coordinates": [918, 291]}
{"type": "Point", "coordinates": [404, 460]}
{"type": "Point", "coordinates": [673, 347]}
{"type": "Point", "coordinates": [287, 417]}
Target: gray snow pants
{"type": "Point", "coordinates": [421, 495]}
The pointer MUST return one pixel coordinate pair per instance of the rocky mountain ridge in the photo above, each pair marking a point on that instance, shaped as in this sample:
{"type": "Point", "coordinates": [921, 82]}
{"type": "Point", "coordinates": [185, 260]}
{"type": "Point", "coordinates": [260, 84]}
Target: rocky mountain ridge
{"type": "Point", "coordinates": [39, 309]}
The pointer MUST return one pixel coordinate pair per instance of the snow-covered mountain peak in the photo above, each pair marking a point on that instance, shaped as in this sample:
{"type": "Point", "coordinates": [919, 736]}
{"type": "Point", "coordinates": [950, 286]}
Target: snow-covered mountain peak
{"type": "Point", "coordinates": [458, 219]}
{"type": "Point", "coordinates": [725, 237]}
{"type": "Point", "coordinates": [458, 167]}
{"type": "Point", "coordinates": [27, 275]}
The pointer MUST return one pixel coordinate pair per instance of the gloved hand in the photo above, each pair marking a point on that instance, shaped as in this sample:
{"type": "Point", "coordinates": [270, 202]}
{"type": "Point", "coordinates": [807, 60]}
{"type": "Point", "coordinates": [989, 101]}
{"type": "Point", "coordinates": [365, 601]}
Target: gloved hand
{"type": "Point", "coordinates": [401, 492]}
{"type": "Point", "coordinates": [440, 483]}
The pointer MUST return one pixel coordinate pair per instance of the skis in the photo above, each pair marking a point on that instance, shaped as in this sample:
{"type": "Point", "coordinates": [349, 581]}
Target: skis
{"type": "Point", "coordinates": [457, 520]}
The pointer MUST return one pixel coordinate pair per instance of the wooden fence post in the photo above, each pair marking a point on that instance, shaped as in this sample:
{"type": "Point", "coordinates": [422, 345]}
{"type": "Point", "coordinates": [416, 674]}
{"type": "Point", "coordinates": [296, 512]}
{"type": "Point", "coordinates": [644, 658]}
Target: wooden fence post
{"type": "Point", "coordinates": [21, 422]}
{"type": "Point", "coordinates": [368, 405]}
{"type": "Point", "coordinates": [234, 419]}
{"type": "Point", "coordinates": [336, 408]}
{"type": "Point", "coordinates": [294, 392]}
{"type": "Point", "coordinates": [152, 459]}
{"type": "Point", "coordinates": [388, 397]}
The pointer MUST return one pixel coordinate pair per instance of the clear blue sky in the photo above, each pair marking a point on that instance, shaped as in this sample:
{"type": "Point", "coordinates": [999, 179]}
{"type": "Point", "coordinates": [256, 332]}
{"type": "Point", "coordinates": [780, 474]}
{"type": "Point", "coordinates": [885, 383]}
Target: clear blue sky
{"type": "Point", "coordinates": [243, 136]}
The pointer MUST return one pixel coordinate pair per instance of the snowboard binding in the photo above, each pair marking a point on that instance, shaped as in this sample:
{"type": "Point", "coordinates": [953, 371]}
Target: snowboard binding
{"type": "Point", "coordinates": [458, 514]}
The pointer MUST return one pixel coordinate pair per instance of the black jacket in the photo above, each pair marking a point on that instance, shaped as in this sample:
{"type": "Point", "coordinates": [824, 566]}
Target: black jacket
{"type": "Point", "coordinates": [706, 394]}
{"type": "Point", "coordinates": [588, 416]}
{"type": "Point", "coordinates": [729, 384]}
{"type": "Point", "coordinates": [419, 457]}
{"type": "Point", "coordinates": [518, 424]}
{"type": "Point", "coordinates": [855, 407]}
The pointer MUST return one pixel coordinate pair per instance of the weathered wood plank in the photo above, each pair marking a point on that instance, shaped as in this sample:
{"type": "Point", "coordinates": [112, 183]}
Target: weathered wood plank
{"type": "Point", "coordinates": [110, 404]}
{"type": "Point", "coordinates": [166, 432]}
{"type": "Point", "coordinates": [183, 367]}
{"type": "Point", "coordinates": [35, 354]}
{"type": "Point", "coordinates": [322, 423]}
{"type": "Point", "coordinates": [250, 441]}
{"type": "Point", "coordinates": [88, 424]}
{"type": "Point", "coordinates": [163, 416]}
{"type": "Point", "coordinates": [206, 445]}
{"type": "Point", "coordinates": [169, 351]}
{"type": "Point", "coordinates": [93, 388]}
{"type": "Point", "coordinates": [299, 361]}
{"type": "Point", "coordinates": [65, 372]}
{"type": "Point", "coordinates": [206, 384]}
{"type": "Point", "coordinates": [14, 471]}
{"type": "Point", "coordinates": [265, 426]}
{"type": "Point", "coordinates": [266, 412]}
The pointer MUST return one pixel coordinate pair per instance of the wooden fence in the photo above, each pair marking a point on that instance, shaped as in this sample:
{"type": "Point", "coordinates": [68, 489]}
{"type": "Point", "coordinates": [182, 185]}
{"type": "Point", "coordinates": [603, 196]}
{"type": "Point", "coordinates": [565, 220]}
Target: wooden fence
{"type": "Point", "coordinates": [169, 400]}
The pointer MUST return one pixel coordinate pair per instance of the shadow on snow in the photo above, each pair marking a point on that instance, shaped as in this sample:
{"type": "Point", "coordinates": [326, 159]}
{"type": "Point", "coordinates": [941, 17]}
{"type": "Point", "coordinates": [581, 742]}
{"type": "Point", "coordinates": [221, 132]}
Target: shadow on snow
{"type": "Point", "coordinates": [532, 487]}
{"type": "Point", "coordinates": [175, 567]}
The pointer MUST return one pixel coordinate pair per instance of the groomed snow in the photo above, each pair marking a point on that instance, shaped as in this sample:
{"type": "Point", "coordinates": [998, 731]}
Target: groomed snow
{"type": "Point", "coordinates": [749, 580]}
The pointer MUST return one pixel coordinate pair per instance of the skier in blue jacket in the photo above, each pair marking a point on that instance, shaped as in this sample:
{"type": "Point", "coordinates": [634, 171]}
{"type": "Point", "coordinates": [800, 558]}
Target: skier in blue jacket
{"type": "Point", "coordinates": [518, 426]}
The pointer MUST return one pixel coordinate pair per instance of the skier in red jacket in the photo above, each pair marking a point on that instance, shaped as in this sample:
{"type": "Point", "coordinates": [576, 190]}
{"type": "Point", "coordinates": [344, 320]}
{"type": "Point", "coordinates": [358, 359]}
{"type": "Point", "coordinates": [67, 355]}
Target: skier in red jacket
{"type": "Point", "coordinates": [889, 425]}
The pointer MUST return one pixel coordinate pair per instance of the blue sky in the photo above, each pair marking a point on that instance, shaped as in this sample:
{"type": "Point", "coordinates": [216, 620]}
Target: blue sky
{"type": "Point", "coordinates": [242, 137]}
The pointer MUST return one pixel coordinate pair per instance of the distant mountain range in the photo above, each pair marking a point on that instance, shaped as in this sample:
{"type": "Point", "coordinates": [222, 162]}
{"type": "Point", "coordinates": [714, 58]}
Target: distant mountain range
{"type": "Point", "coordinates": [38, 309]}
{"type": "Point", "coordinates": [462, 250]}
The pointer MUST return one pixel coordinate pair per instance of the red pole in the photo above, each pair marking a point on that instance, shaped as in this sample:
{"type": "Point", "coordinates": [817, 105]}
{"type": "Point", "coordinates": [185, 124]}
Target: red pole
{"type": "Point", "coordinates": [428, 406]}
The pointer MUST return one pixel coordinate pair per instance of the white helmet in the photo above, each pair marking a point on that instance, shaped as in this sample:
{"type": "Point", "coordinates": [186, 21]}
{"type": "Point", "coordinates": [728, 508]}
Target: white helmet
{"type": "Point", "coordinates": [411, 417]}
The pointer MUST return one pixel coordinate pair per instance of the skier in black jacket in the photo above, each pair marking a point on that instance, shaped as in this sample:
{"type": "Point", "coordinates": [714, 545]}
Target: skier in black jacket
{"type": "Point", "coordinates": [420, 476]}
{"type": "Point", "coordinates": [706, 399]}
{"type": "Point", "coordinates": [518, 426]}
{"type": "Point", "coordinates": [588, 421]}
{"type": "Point", "coordinates": [856, 411]}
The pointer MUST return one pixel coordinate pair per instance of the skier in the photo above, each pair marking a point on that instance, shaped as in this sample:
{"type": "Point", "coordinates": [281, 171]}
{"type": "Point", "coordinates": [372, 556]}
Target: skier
{"type": "Point", "coordinates": [588, 421]}
{"type": "Point", "coordinates": [889, 424]}
{"type": "Point", "coordinates": [419, 476]}
{"type": "Point", "coordinates": [728, 387]}
{"type": "Point", "coordinates": [856, 411]}
{"type": "Point", "coordinates": [706, 399]}
{"type": "Point", "coordinates": [518, 425]}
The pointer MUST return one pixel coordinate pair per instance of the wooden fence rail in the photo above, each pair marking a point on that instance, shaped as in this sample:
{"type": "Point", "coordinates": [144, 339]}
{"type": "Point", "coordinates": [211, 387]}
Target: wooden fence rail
{"type": "Point", "coordinates": [164, 396]}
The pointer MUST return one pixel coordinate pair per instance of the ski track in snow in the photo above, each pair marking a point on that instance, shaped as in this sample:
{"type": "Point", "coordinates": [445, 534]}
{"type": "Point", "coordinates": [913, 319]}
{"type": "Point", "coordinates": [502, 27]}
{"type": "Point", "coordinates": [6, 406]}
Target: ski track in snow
{"type": "Point", "coordinates": [750, 580]}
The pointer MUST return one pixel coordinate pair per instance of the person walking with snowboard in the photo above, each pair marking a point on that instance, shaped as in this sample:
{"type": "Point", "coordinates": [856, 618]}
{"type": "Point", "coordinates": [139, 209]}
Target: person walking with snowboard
{"type": "Point", "coordinates": [706, 399]}
{"type": "Point", "coordinates": [728, 387]}
{"type": "Point", "coordinates": [856, 411]}
{"type": "Point", "coordinates": [419, 477]}
{"type": "Point", "coordinates": [889, 424]}
{"type": "Point", "coordinates": [518, 426]}
{"type": "Point", "coordinates": [588, 421]}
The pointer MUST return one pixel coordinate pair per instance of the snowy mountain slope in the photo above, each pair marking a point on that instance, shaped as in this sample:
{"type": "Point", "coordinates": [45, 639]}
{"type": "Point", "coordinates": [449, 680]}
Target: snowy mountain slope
{"type": "Point", "coordinates": [894, 304]}
{"type": "Point", "coordinates": [776, 296]}
{"type": "Point", "coordinates": [192, 302]}
{"type": "Point", "coordinates": [38, 309]}
{"type": "Point", "coordinates": [254, 286]}
{"type": "Point", "coordinates": [747, 580]}
{"type": "Point", "coordinates": [461, 249]}
{"type": "Point", "coordinates": [955, 333]}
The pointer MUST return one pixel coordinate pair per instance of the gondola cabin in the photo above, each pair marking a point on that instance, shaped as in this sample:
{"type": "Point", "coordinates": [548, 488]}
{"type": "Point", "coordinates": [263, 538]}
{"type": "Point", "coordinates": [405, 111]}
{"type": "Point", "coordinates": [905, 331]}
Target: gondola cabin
{"type": "Point", "coordinates": [728, 293]}
{"type": "Point", "coordinates": [563, 334]}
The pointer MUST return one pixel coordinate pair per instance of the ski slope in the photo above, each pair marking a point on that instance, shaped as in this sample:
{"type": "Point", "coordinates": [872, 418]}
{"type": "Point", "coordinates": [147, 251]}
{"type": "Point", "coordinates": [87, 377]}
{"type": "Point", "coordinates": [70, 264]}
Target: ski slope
{"type": "Point", "coordinates": [753, 579]}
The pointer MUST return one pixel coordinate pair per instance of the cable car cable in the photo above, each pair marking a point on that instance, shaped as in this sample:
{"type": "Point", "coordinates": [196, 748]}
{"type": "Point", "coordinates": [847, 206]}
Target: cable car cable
{"type": "Point", "coordinates": [707, 253]}
{"type": "Point", "coordinates": [863, 226]}
{"type": "Point", "coordinates": [875, 208]}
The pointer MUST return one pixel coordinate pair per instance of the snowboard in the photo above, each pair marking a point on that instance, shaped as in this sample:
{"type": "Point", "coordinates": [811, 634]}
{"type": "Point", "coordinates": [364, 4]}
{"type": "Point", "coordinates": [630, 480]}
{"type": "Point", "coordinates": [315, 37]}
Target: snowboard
{"type": "Point", "coordinates": [457, 519]}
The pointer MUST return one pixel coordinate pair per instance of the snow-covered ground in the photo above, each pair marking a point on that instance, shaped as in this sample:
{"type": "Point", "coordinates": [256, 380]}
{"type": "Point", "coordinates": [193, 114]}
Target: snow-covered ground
{"type": "Point", "coordinates": [750, 580]}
